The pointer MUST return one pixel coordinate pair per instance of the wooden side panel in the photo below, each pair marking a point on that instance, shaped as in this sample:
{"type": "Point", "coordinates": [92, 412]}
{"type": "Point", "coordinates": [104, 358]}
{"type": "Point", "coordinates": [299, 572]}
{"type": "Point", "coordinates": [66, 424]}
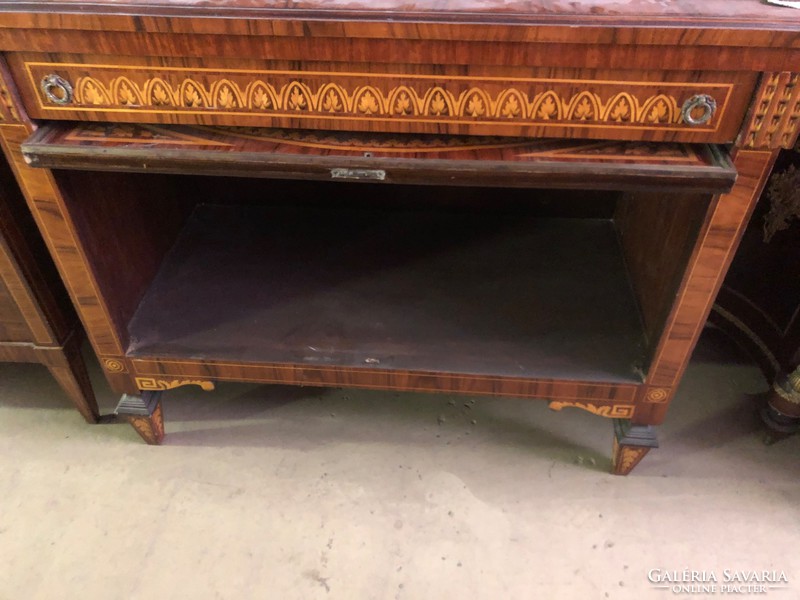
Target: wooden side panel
{"type": "Point", "coordinates": [125, 225]}
{"type": "Point", "coordinates": [657, 232]}
{"type": "Point", "coordinates": [27, 271]}
{"type": "Point", "coordinates": [47, 205]}
{"type": "Point", "coordinates": [13, 327]}
{"type": "Point", "coordinates": [707, 266]}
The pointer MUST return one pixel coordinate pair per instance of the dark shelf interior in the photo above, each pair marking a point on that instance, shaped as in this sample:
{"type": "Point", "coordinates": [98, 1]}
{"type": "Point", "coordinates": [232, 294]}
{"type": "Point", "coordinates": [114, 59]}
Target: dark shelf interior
{"type": "Point", "coordinates": [505, 294]}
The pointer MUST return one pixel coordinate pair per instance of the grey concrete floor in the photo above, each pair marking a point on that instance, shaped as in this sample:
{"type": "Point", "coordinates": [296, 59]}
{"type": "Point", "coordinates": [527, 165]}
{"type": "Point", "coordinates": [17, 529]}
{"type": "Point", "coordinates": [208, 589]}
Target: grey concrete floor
{"type": "Point", "coordinates": [274, 492]}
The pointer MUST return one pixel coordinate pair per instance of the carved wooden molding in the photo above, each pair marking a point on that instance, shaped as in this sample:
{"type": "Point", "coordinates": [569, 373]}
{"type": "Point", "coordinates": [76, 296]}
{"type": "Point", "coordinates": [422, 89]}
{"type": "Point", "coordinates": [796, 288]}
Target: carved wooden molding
{"type": "Point", "coordinates": [153, 384]}
{"type": "Point", "coordinates": [776, 114]}
{"type": "Point", "coordinates": [612, 411]}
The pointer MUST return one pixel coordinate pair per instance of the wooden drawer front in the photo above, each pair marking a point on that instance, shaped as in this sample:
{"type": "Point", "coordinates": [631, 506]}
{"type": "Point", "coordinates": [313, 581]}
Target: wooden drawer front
{"type": "Point", "coordinates": [632, 106]}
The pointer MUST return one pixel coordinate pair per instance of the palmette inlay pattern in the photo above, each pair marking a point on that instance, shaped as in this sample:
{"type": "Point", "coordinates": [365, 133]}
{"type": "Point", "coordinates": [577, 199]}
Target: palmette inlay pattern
{"type": "Point", "coordinates": [626, 458]}
{"type": "Point", "coordinates": [434, 101]}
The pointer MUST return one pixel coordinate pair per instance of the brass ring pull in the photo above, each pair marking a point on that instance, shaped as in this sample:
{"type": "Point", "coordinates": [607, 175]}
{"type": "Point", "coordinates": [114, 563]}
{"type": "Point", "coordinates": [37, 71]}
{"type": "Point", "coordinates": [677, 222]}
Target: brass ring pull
{"type": "Point", "coordinates": [57, 89]}
{"type": "Point", "coordinates": [703, 102]}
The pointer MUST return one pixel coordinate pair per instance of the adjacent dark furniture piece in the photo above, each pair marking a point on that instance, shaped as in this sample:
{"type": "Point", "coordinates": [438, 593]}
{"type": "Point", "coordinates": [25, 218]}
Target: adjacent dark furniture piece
{"type": "Point", "coordinates": [37, 321]}
{"type": "Point", "coordinates": [759, 303]}
{"type": "Point", "coordinates": [469, 197]}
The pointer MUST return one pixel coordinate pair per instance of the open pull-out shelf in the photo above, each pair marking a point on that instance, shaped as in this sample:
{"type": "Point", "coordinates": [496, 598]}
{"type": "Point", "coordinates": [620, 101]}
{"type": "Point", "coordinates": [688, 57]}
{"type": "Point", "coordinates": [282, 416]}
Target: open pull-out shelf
{"type": "Point", "coordinates": [429, 159]}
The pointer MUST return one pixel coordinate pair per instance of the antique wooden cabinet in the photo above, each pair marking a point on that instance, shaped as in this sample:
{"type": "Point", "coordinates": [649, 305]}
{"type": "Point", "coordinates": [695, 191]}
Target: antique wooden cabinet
{"type": "Point", "coordinates": [509, 198]}
{"type": "Point", "coordinates": [37, 321]}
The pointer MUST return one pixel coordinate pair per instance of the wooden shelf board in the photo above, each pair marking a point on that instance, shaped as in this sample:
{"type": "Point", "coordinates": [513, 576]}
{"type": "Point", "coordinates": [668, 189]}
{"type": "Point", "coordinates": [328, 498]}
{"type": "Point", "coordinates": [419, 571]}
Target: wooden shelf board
{"type": "Point", "coordinates": [507, 295]}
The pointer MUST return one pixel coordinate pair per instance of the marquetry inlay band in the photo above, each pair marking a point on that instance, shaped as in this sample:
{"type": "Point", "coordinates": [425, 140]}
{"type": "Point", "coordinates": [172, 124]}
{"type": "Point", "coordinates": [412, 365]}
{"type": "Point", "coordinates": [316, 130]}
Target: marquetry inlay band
{"type": "Point", "coordinates": [656, 395]}
{"type": "Point", "coordinates": [112, 365]}
{"type": "Point", "coordinates": [151, 384]}
{"type": "Point", "coordinates": [613, 411]}
{"type": "Point", "coordinates": [361, 96]}
{"type": "Point", "coordinates": [626, 457]}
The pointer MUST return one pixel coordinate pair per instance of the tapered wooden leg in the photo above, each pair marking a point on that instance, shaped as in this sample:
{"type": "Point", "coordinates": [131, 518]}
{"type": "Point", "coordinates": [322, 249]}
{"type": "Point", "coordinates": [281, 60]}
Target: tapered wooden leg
{"type": "Point", "coordinates": [68, 368]}
{"type": "Point", "coordinates": [144, 413]}
{"type": "Point", "coordinates": [631, 443]}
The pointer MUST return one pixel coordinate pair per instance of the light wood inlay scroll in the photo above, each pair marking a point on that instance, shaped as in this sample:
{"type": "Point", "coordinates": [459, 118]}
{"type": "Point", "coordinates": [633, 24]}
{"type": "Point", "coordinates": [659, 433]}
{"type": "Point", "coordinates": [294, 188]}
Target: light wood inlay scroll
{"type": "Point", "coordinates": [616, 411]}
{"type": "Point", "coordinates": [776, 113]}
{"type": "Point", "coordinates": [625, 458]}
{"type": "Point", "coordinates": [151, 384]}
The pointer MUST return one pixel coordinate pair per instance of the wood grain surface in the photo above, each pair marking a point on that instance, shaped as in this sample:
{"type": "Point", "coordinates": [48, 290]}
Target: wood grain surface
{"type": "Point", "coordinates": [603, 104]}
{"type": "Point", "coordinates": [592, 69]}
{"type": "Point", "coordinates": [423, 159]}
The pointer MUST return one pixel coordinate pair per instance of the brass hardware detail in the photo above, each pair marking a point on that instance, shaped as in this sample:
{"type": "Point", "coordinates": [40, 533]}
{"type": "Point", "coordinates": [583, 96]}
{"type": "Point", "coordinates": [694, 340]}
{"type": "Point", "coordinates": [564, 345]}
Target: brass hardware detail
{"type": "Point", "coordinates": [371, 174]}
{"type": "Point", "coordinates": [703, 102]}
{"type": "Point", "coordinates": [58, 90]}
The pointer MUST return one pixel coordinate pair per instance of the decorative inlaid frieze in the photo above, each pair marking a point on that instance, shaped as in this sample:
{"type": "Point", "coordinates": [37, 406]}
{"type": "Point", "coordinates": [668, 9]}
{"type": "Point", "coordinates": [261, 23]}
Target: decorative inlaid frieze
{"type": "Point", "coordinates": [615, 411]}
{"type": "Point", "coordinates": [333, 98]}
{"type": "Point", "coordinates": [383, 96]}
{"type": "Point", "coordinates": [151, 384]}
